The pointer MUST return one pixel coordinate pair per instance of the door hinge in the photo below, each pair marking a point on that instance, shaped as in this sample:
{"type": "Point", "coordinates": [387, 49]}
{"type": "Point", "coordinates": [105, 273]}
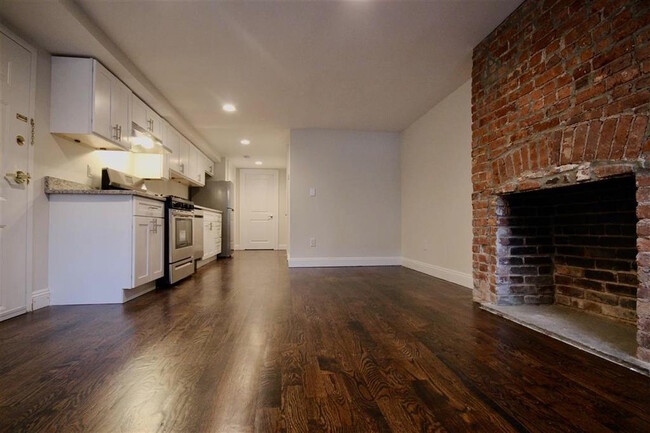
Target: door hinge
{"type": "Point", "coordinates": [33, 125]}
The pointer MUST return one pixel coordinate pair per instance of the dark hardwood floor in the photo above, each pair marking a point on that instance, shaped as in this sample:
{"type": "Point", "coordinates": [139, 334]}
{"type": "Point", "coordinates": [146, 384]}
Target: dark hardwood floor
{"type": "Point", "coordinates": [248, 345]}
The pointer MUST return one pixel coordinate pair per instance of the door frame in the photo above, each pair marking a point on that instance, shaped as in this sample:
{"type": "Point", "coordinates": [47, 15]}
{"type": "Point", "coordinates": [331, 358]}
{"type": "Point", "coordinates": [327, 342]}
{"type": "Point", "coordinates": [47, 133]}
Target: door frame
{"type": "Point", "coordinates": [29, 247]}
{"type": "Point", "coordinates": [243, 210]}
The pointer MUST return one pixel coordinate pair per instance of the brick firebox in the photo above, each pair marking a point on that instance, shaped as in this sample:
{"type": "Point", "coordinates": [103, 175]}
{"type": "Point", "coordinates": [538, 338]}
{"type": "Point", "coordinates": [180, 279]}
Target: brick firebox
{"type": "Point", "coordinates": [561, 96]}
{"type": "Point", "coordinates": [574, 246]}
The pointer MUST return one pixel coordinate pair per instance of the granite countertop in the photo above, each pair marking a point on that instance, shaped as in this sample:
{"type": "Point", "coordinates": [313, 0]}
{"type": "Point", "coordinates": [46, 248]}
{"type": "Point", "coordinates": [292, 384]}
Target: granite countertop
{"type": "Point", "coordinates": [207, 208]}
{"type": "Point", "coordinates": [54, 185]}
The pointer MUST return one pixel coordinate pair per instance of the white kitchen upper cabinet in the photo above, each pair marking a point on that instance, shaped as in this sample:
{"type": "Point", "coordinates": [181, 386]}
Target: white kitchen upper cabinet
{"type": "Point", "coordinates": [184, 163]}
{"type": "Point", "coordinates": [208, 165]}
{"type": "Point", "coordinates": [120, 104]}
{"type": "Point", "coordinates": [89, 104]}
{"type": "Point", "coordinates": [197, 167]}
{"type": "Point", "coordinates": [156, 124]}
{"type": "Point", "coordinates": [184, 156]}
{"type": "Point", "coordinates": [101, 120]}
{"type": "Point", "coordinates": [139, 113]}
{"type": "Point", "coordinates": [172, 141]}
{"type": "Point", "coordinates": [145, 118]}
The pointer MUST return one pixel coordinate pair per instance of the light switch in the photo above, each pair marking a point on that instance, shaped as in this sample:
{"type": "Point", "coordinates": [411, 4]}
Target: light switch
{"type": "Point", "coordinates": [312, 192]}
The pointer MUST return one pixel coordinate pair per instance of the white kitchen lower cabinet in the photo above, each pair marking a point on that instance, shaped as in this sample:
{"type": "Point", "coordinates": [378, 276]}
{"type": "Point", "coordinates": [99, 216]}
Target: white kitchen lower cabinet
{"type": "Point", "coordinates": [104, 249]}
{"type": "Point", "coordinates": [148, 257]}
{"type": "Point", "coordinates": [211, 233]}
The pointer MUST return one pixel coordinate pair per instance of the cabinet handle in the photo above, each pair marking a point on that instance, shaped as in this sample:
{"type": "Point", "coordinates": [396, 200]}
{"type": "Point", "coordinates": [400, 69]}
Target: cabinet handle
{"type": "Point", "coordinates": [119, 132]}
{"type": "Point", "coordinates": [114, 129]}
{"type": "Point", "coordinates": [182, 168]}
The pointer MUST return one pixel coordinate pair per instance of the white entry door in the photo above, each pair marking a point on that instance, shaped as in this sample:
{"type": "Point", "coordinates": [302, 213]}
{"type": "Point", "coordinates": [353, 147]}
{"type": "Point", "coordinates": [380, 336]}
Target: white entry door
{"type": "Point", "coordinates": [15, 142]}
{"type": "Point", "coordinates": [258, 195]}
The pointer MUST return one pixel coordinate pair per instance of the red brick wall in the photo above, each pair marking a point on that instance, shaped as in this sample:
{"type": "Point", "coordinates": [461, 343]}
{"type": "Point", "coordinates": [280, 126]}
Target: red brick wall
{"type": "Point", "coordinates": [560, 94]}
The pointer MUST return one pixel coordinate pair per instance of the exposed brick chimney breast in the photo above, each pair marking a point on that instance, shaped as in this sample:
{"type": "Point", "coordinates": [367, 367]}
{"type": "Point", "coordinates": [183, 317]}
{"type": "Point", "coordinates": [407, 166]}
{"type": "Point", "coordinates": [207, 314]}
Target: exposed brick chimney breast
{"type": "Point", "coordinates": [560, 97]}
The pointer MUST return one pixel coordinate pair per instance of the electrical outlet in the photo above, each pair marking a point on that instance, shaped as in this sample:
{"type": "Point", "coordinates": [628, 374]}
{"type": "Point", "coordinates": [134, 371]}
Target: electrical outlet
{"type": "Point", "coordinates": [312, 242]}
{"type": "Point", "coordinates": [312, 192]}
{"type": "Point", "coordinates": [89, 171]}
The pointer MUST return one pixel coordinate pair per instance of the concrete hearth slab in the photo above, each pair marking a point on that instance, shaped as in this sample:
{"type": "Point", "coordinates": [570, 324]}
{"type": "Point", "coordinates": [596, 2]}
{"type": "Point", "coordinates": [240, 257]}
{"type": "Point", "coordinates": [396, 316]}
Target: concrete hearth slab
{"type": "Point", "coordinates": [603, 337]}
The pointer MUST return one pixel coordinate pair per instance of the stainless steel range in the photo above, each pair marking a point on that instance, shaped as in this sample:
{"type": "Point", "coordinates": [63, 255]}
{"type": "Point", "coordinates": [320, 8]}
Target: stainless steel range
{"type": "Point", "coordinates": [179, 237]}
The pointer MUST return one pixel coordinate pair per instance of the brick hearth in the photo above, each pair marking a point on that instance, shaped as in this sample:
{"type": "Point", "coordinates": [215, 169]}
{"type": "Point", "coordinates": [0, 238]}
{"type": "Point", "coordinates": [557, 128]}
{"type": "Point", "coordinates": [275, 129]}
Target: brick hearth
{"type": "Point", "coordinates": [561, 97]}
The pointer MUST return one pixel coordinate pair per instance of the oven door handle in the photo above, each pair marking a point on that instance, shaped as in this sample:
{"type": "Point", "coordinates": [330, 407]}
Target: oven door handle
{"type": "Point", "coordinates": [177, 214]}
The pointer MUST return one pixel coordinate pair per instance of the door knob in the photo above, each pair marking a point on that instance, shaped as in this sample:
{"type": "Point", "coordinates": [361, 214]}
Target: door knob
{"type": "Point", "coordinates": [271, 217]}
{"type": "Point", "coordinates": [19, 177]}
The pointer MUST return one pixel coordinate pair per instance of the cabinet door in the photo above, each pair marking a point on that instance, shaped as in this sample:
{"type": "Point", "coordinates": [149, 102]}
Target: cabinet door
{"type": "Point", "coordinates": [139, 112]}
{"type": "Point", "coordinates": [207, 238]}
{"type": "Point", "coordinates": [156, 251]}
{"type": "Point", "coordinates": [156, 123]}
{"type": "Point", "coordinates": [120, 97]}
{"type": "Point", "coordinates": [217, 233]}
{"type": "Point", "coordinates": [209, 166]}
{"type": "Point", "coordinates": [141, 260]}
{"type": "Point", "coordinates": [102, 102]}
{"type": "Point", "coordinates": [196, 172]}
{"type": "Point", "coordinates": [172, 140]}
{"type": "Point", "coordinates": [184, 156]}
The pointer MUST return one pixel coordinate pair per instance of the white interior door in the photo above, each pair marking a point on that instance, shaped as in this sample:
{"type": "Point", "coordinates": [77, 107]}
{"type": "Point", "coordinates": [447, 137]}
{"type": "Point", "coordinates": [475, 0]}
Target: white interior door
{"type": "Point", "coordinates": [259, 209]}
{"type": "Point", "coordinates": [15, 141]}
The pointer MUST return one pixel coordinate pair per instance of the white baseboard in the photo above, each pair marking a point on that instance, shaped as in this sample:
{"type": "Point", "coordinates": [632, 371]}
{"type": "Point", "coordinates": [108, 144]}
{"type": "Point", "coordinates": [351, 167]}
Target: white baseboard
{"type": "Point", "coordinates": [201, 263]}
{"type": "Point", "coordinates": [40, 299]}
{"type": "Point", "coordinates": [129, 294]}
{"type": "Point", "coordinates": [8, 314]}
{"type": "Point", "coordinates": [236, 248]}
{"type": "Point", "coordinates": [452, 275]}
{"type": "Point", "coordinates": [282, 246]}
{"type": "Point", "coordinates": [325, 262]}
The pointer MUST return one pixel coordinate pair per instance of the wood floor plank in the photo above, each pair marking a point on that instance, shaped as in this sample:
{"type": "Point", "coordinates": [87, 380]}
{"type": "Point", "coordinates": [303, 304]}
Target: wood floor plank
{"type": "Point", "coordinates": [248, 345]}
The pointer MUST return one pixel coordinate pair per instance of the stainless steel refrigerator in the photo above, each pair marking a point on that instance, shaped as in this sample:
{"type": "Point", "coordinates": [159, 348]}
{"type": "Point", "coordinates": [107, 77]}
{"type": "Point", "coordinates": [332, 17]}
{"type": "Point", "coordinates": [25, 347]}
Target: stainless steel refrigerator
{"type": "Point", "coordinates": [219, 195]}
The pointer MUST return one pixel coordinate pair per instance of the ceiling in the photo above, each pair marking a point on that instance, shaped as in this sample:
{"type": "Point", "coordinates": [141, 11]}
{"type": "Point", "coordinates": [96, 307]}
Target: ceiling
{"type": "Point", "coordinates": [364, 65]}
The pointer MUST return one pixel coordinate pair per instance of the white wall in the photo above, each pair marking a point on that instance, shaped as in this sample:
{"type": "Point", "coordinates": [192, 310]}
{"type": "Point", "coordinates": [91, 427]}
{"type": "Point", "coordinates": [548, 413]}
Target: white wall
{"type": "Point", "coordinates": [355, 215]}
{"type": "Point", "coordinates": [437, 189]}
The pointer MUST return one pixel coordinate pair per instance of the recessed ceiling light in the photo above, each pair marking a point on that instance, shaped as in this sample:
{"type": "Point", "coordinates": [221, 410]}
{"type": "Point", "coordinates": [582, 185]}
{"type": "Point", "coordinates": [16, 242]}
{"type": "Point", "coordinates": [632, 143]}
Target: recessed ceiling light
{"type": "Point", "coordinates": [245, 141]}
{"type": "Point", "coordinates": [258, 162]}
{"type": "Point", "coordinates": [229, 108]}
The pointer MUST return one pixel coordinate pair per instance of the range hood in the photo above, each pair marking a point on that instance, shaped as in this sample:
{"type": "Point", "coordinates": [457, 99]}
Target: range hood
{"type": "Point", "coordinates": [142, 141]}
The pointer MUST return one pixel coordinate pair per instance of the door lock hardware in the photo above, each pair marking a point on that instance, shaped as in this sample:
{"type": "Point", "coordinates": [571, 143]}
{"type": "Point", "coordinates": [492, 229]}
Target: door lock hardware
{"type": "Point", "coordinates": [19, 177]}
